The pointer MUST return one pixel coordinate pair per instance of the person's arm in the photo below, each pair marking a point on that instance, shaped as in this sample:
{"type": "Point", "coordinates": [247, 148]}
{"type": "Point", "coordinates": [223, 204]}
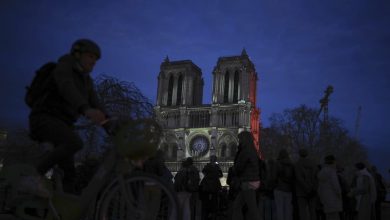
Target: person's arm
{"type": "Point", "coordinates": [65, 82]}
{"type": "Point", "coordinates": [220, 174]}
{"type": "Point", "coordinates": [93, 97]}
{"type": "Point", "coordinates": [335, 183]}
{"type": "Point", "coordinates": [240, 163]}
{"type": "Point", "coordinates": [362, 187]}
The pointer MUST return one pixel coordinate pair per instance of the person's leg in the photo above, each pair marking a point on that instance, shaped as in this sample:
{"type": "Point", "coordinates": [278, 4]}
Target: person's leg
{"type": "Point", "coordinates": [288, 205]}
{"type": "Point", "coordinates": [238, 203]}
{"type": "Point", "coordinates": [65, 140]}
{"type": "Point", "coordinates": [303, 208]}
{"type": "Point", "coordinates": [279, 205]}
{"type": "Point", "coordinates": [378, 209]}
{"type": "Point", "coordinates": [249, 197]}
{"type": "Point", "coordinates": [260, 206]}
{"type": "Point", "coordinates": [69, 178]}
{"type": "Point", "coordinates": [332, 216]}
{"type": "Point", "coordinates": [206, 203]}
{"type": "Point", "coordinates": [312, 208]}
{"type": "Point", "coordinates": [184, 202]}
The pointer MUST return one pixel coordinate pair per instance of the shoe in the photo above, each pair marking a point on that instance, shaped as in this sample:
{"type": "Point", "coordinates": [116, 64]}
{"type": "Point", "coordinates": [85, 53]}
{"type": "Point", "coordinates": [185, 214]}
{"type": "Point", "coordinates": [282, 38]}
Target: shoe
{"type": "Point", "coordinates": [33, 185]}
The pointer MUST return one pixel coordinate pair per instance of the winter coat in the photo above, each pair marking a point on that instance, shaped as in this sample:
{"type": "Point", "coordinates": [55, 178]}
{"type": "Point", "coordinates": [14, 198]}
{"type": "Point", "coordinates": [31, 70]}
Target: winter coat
{"type": "Point", "coordinates": [365, 193]}
{"type": "Point", "coordinates": [246, 164]}
{"type": "Point", "coordinates": [73, 94]}
{"type": "Point", "coordinates": [157, 166]}
{"type": "Point", "coordinates": [187, 179]}
{"type": "Point", "coordinates": [284, 175]}
{"type": "Point", "coordinates": [210, 182]}
{"type": "Point", "coordinates": [329, 189]}
{"type": "Point", "coordinates": [305, 178]}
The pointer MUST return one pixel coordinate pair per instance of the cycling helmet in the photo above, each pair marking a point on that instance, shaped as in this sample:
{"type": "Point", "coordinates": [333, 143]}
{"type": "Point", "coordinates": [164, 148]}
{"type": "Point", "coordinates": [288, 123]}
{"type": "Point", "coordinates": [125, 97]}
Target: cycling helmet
{"type": "Point", "coordinates": [85, 45]}
{"type": "Point", "coordinates": [138, 139]}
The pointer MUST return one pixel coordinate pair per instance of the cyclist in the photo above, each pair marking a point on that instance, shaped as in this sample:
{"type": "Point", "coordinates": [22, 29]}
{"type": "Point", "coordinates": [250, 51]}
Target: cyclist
{"type": "Point", "coordinates": [52, 121]}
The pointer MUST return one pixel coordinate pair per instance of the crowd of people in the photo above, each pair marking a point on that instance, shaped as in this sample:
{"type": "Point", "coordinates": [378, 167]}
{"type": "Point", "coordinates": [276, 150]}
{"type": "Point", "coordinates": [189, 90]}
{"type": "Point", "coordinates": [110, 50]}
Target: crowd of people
{"type": "Point", "coordinates": [278, 188]}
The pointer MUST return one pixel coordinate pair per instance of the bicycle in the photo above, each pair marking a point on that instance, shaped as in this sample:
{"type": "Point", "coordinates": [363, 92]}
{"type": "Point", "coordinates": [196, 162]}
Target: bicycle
{"type": "Point", "coordinates": [116, 191]}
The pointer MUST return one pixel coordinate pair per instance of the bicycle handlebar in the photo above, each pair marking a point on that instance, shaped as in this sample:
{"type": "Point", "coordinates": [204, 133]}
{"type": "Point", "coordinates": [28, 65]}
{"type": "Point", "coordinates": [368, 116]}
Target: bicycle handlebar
{"type": "Point", "coordinates": [110, 125]}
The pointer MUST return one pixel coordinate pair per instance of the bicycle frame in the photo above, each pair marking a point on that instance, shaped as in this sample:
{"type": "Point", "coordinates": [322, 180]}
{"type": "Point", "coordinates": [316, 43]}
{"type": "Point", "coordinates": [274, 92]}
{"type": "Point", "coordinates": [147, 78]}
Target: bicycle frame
{"type": "Point", "coordinates": [70, 207]}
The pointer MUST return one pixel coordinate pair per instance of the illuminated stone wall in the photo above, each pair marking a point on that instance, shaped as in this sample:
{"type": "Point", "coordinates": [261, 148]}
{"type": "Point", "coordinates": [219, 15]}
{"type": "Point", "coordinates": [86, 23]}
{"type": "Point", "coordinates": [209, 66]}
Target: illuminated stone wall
{"type": "Point", "coordinates": [201, 130]}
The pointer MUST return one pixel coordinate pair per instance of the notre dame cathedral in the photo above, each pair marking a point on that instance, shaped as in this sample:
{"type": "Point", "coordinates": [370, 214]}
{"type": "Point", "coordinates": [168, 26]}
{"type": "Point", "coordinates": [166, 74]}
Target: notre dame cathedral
{"type": "Point", "coordinates": [194, 129]}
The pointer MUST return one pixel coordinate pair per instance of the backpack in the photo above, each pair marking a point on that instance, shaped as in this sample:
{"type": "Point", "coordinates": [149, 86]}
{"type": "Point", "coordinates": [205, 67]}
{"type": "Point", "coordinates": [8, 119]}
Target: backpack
{"type": "Point", "coordinates": [41, 85]}
{"type": "Point", "coordinates": [192, 179]}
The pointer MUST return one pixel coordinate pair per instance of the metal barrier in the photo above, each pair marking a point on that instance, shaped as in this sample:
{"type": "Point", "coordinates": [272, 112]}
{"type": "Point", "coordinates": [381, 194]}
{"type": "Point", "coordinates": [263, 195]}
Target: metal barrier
{"type": "Point", "coordinates": [175, 166]}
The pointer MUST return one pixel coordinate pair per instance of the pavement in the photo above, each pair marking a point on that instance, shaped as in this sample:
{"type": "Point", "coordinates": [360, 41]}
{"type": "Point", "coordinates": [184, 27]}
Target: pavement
{"type": "Point", "coordinates": [385, 213]}
{"type": "Point", "coordinates": [386, 210]}
{"type": "Point", "coordinates": [8, 217]}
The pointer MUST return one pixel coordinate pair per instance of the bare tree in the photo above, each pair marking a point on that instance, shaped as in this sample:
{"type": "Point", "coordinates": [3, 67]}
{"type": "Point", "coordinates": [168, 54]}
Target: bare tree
{"type": "Point", "coordinates": [121, 100]}
{"type": "Point", "coordinates": [301, 128]}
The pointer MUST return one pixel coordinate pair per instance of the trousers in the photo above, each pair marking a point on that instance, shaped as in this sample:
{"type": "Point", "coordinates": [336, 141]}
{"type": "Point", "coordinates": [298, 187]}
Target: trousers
{"type": "Point", "coordinates": [66, 142]}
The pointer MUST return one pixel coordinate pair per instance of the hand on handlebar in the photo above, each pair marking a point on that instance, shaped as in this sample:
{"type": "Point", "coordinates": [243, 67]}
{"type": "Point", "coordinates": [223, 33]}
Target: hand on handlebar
{"type": "Point", "coordinates": [95, 115]}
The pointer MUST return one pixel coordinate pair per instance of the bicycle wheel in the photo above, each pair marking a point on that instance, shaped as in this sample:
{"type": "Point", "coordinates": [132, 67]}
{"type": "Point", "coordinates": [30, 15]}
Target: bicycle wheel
{"type": "Point", "coordinates": [140, 196]}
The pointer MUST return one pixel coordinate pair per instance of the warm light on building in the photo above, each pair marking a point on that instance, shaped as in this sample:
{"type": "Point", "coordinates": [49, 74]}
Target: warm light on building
{"type": "Point", "coordinates": [197, 130]}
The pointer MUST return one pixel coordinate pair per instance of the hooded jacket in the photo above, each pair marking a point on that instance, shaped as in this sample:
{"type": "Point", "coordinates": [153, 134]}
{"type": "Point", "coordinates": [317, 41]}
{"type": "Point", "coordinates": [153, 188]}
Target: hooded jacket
{"type": "Point", "coordinates": [73, 94]}
{"type": "Point", "coordinates": [246, 164]}
{"type": "Point", "coordinates": [306, 177]}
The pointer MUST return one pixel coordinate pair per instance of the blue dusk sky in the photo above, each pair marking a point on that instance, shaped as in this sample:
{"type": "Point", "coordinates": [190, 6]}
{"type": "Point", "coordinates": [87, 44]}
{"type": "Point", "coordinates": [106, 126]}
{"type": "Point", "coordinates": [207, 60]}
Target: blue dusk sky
{"type": "Point", "coordinates": [299, 47]}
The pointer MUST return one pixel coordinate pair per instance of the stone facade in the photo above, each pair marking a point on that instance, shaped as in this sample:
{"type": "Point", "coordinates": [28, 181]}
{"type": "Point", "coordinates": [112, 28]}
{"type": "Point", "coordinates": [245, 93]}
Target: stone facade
{"type": "Point", "coordinates": [201, 130]}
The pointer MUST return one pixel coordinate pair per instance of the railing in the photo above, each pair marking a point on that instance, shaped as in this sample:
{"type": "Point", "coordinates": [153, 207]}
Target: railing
{"type": "Point", "coordinates": [199, 119]}
{"type": "Point", "coordinates": [203, 116]}
{"type": "Point", "coordinates": [175, 166]}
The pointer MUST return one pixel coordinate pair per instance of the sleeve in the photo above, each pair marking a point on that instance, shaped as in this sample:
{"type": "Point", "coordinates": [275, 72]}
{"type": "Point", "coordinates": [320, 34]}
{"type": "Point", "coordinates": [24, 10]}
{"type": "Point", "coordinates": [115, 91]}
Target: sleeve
{"type": "Point", "coordinates": [240, 163]}
{"type": "Point", "coordinates": [335, 183]}
{"type": "Point", "coordinates": [220, 174]}
{"type": "Point", "coordinates": [93, 98]}
{"type": "Point", "coordinates": [64, 79]}
{"type": "Point", "coordinates": [362, 187]}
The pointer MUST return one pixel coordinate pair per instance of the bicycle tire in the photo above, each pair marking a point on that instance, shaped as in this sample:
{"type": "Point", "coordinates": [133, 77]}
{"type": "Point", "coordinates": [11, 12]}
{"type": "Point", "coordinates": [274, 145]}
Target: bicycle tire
{"type": "Point", "coordinates": [112, 203]}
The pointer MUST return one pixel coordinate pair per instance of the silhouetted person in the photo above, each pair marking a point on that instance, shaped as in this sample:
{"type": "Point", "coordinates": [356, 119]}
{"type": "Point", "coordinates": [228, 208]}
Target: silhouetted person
{"type": "Point", "coordinates": [52, 120]}
{"type": "Point", "coordinates": [247, 169]}
{"type": "Point", "coordinates": [187, 185]}
{"type": "Point", "coordinates": [365, 193]}
{"type": "Point", "coordinates": [344, 192]}
{"type": "Point", "coordinates": [156, 165]}
{"type": "Point", "coordinates": [380, 192]}
{"type": "Point", "coordinates": [269, 186]}
{"type": "Point", "coordinates": [329, 189]}
{"type": "Point", "coordinates": [262, 191]}
{"type": "Point", "coordinates": [210, 186]}
{"type": "Point", "coordinates": [234, 184]}
{"type": "Point", "coordinates": [283, 192]}
{"type": "Point", "coordinates": [306, 186]}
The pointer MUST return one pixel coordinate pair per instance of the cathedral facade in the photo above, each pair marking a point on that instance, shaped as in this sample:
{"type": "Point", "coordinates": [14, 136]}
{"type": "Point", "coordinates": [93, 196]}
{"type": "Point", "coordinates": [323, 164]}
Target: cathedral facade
{"type": "Point", "coordinates": [194, 129]}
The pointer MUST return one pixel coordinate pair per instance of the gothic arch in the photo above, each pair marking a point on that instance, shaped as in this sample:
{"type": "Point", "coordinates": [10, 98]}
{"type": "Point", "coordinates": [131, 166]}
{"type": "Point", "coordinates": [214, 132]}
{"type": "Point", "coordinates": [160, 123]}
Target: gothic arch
{"type": "Point", "coordinates": [227, 144]}
{"type": "Point", "coordinates": [170, 146]}
{"type": "Point", "coordinates": [222, 150]}
{"type": "Point", "coordinates": [232, 149]}
{"type": "Point", "coordinates": [226, 87]}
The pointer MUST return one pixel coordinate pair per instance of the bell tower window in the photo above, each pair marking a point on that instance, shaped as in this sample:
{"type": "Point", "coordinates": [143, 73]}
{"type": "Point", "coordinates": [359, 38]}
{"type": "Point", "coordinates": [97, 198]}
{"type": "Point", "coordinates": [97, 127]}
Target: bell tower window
{"type": "Point", "coordinates": [235, 88]}
{"type": "Point", "coordinates": [170, 91]}
{"type": "Point", "coordinates": [226, 88]}
{"type": "Point", "coordinates": [179, 90]}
